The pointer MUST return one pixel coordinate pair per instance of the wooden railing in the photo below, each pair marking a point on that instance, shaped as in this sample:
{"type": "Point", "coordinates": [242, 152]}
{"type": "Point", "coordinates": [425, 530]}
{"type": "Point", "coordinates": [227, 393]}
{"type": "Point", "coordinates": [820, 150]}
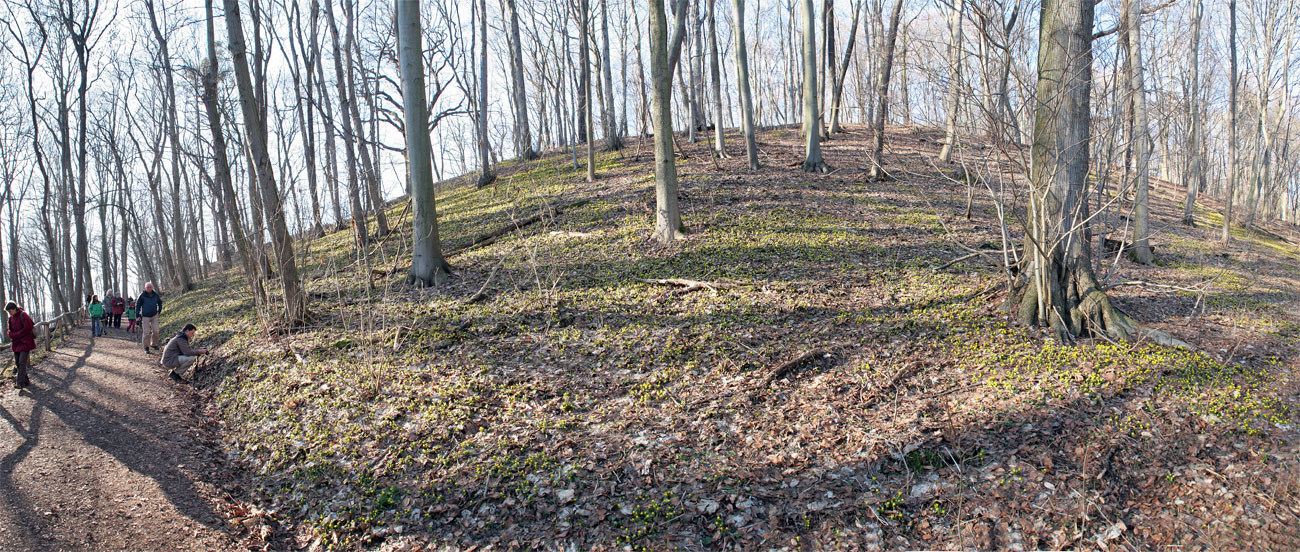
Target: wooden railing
{"type": "Point", "coordinates": [61, 324]}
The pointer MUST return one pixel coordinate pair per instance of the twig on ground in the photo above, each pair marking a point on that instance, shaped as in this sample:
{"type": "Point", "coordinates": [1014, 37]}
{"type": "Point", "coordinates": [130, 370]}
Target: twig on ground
{"type": "Point", "coordinates": [689, 285]}
{"type": "Point", "coordinates": [482, 290]}
{"type": "Point", "coordinates": [787, 367]}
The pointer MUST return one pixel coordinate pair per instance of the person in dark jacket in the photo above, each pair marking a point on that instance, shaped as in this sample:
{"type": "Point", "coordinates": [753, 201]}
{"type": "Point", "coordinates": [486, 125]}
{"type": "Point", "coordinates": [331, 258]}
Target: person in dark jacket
{"type": "Point", "coordinates": [148, 307]}
{"type": "Point", "coordinates": [119, 308]}
{"type": "Point", "coordinates": [179, 355]}
{"type": "Point", "coordinates": [22, 333]}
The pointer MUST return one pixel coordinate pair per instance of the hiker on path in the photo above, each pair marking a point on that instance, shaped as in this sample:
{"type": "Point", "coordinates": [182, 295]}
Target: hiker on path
{"type": "Point", "coordinates": [149, 306]}
{"type": "Point", "coordinates": [179, 355]}
{"type": "Point", "coordinates": [130, 316]}
{"type": "Point", "coordinates": [119, 308]}
{"type": "Point", "coordinates": [22, 334]}
{"type": "Point", "coordinates": [96, 316]}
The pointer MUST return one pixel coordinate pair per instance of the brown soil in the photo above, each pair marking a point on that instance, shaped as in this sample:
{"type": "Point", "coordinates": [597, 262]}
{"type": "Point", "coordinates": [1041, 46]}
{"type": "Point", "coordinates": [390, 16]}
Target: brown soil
{"type": "Point", "coordinates": [102, 452]}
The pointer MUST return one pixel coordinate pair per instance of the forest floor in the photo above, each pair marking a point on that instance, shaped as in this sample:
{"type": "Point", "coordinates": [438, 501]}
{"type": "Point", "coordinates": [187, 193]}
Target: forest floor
{"type": "Point", "coordinates": [837, 384]}
{"type": "Point", "coordinates": [101, 453]}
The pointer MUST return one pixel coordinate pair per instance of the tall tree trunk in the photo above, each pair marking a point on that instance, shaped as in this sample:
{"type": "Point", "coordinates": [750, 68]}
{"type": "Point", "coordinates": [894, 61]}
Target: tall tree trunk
{"type": "Point", "coordinates": [519, 93]}
{"type": "Point", "coordinates": [306, 115]}
{"type": "Point", "coordinates": [954, 78]}
{"type": "Point", "coordinates": [875, 159]}
{"type": "Point", "coordinates": [369, 168]}
{"type": "Point", "coordinates": [1058, 288]}
{"type": "Point", "coordinates": [427, 264]}
{"type": "Point", "coordinates": [742, 82]}
{"type": "Point", "coordinates": [485, 176]}
{"type": "Point", "coordinates": [584, 15]}
{"type": "Point", "coordinates": [613, 140]}
{"type": "Point", "coordinates": [295, 298]}
{"type": "Point", "coordinates": [1141, 137]}
{"type": "Point", "coordinates": [668, 219]}
{"type": "Point", "coordinates": [715, 74]}
{"type": "Point", "coordinates": [350, 143]}
{"type": "Point", "coordinates": [838, 78]}
{"type": "Point", "coordinates": [178, 232]}
{"type": "Point", "coordinates": [1232, 108]}
{"type": "Point", "coordinates": [812, 117]}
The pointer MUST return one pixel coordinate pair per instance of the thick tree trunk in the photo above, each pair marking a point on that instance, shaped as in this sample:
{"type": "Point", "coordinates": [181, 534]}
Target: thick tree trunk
{"type": "Point", "coordinates": [613, 140]}
{"type": "Point", "coordinates": [813, 161]}
{"type": "Point", "coordinates": [668, 219]}
{"type": "Point", "coordinates": [295, 298]}
{"type": "Point", "coordinates": [1141, 138]}
{"type": "Point", "coordinates": [954, 79]}
{"type": "Point", "coordinates": [742, 83]}
{"type": "Point", "coordinates": [427, 264]}
{"type": "Point", "coordinates": [1194, 175]}
{"type": "Point", "coordinates": [1058, 288]}
{"type": "Point", "coordinates": [876, 157]}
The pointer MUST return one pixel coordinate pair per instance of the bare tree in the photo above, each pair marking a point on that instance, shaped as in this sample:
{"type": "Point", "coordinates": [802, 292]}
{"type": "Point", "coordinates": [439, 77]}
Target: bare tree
{"type": "Point", "coordinates": [1140, 141]}
{"type": "Point", "coordinates": [668, 218]}
{"type": "Point", "coordinates": [875, 159]}
{"type": "Point", "coordinates": [295, 297]}
{"type": "Point", "coordinates": [812, 118]}
{"type": "Point", "coordinates": [742, 82]}
{"type": "Point", "coordinates": [427, 264]}
{"type": "Point", "coordinates": [954, 78]}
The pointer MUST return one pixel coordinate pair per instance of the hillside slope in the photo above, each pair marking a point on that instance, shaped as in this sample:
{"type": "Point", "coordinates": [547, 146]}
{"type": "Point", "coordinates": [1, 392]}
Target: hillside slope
{"type": "Point", "coordinates": [834, 386]}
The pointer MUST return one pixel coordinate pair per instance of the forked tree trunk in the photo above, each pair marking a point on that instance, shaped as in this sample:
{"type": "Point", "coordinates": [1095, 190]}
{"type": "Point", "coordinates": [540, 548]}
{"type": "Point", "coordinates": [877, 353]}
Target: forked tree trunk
{"type": "Point", "coordinates": [1057, 288]}
{"type": "Point", "coordinates": [428, 267]}
{"type": "Point", "coordinates": [812, 116]}
{"type": "Point", "coordinates": [742, 82]}
{"type": "Point", "coordinates": [837, 84]}
{"type": "Point", "coordinates": [876, 158]}
{"type": "Point", "coordinates": [668, 219]}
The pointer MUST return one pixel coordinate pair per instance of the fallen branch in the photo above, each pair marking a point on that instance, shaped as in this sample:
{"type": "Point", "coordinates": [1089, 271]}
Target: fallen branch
{"type": "Point", "coordinates": [482, 290]}
{"type": "Point", "coordinates": [1144, 283]}
{"type": "Point", "coordinates": [975, 253]}
{"type": "Point", "coordinates": [785, 369]}
{"type": "Point", "coordinates": [492, 236]}
{"type": "Point", "coordinates": [689, 285]}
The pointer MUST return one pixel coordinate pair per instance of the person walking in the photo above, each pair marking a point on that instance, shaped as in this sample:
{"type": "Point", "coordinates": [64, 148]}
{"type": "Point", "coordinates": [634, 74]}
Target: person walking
{"type": "Point", "coordinates": [96, 316]}
{"type": "Point", "coordinates": [22, 334]}
{"type": "Point", "coordinates": [130, 316]}
{"type": "Point", "coordinates": [179, 355]}
{"type": "Point", "coordinates": [119, 308]}
{"type": "Point", "coordinates": [148, 307]}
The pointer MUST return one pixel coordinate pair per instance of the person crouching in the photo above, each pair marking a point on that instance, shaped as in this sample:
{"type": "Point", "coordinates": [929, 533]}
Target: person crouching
{"type": "Point", "coordinates": [179, 355]}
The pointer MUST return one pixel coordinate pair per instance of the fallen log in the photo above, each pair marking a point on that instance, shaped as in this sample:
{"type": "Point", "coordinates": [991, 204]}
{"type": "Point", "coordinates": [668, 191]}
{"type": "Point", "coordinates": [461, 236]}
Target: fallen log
{"type": "Point", "coordinates": [494, 235]}
{"type": "Point", "coordinates": [786, 368]}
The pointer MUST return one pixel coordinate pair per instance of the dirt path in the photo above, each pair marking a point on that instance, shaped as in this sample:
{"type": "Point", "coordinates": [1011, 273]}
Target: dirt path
{"type": "Point", "coordinates": [100, 454]}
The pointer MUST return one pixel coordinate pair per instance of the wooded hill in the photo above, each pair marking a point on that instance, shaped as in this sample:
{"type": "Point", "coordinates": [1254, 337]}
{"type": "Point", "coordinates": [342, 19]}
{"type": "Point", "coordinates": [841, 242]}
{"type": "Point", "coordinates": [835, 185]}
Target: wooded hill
{"type": "Point", "coordinates": [807, 369]}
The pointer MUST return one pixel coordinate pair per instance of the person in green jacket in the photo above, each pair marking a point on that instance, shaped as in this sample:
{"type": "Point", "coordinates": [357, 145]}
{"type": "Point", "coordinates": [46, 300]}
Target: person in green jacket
{"type": "Point", "coordinates": [96, 316]}
{"type": "Point", "coordinates": [130, 317]}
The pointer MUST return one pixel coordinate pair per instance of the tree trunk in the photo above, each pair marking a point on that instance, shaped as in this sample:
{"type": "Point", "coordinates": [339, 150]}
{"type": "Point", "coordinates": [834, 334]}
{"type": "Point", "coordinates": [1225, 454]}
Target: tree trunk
{"type": "Point", "coordinates": [837, 81]}
{"type": "Point", "coordinates": [519, 94]}
{"type": "Point", "coordinates": [813, 161]}
{"type": "Point", "coordinates": [715, 74]}
{"type": "Point", "coordinates": [668, 219]}
{"type": "Point", "coordinates": [1232, 108]}
{"type": "Point", "coordinates": [173, 134]}
{"type": "Point", "coordinates": [369, 168]}
{"type": "Point", "coordinates": [1058, 288]}
{"type": "Point", "coordinates": [427, 264]}
{"type": "Point", "coordinates": [1141, 137]}
{"type": "Point", "coordinates": [742, 83]}
{"type": "Point", "coordinates": [584, 33]}
{"type": "Point", "coordinates": [295, 298]}
{"type": "Point", "coordinates": [361, 231]}
{"type": "Point", "coordinates": [613, 140]}
{"type": "Point", "coordinates": [954, 79]}
{"type": "Point", "coordinates": [877, 168]}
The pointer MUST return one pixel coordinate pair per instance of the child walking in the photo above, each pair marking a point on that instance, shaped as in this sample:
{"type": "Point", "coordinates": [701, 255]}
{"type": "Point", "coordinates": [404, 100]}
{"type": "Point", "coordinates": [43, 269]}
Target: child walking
{"type": "Point", "coordinates": [130, 317]}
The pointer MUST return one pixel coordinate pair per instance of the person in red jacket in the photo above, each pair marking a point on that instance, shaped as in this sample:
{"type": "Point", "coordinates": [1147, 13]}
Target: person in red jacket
{"type": "Point", "coordinates": [22, 333]}
{"type": "Point", "coordinates": [119, 308]}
